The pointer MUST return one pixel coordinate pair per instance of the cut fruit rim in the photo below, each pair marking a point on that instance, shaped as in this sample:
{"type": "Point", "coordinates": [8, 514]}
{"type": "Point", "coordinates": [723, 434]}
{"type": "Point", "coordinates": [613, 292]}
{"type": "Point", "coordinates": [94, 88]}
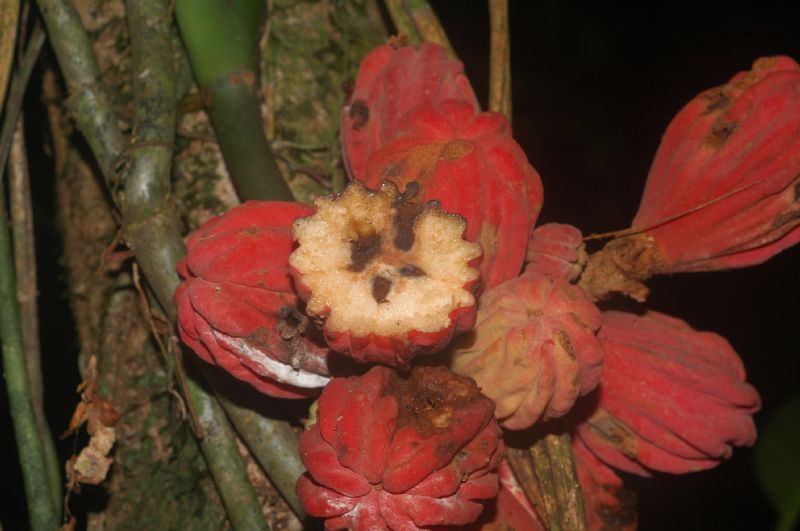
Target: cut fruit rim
{"type": "Point", "coordinates": [383, 262]}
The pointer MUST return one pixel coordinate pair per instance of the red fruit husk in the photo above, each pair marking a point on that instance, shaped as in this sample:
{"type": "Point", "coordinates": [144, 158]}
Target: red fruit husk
{"type": "Point", "coordinates": [733, 153]}
{"type": "Point", "coordinates": [672, 399]}
{"type": "Point", "coordinates": [556, 250]}
{"type": "Point", "coordinates": [511, 510]}
{"type": "Point", "coordinates": [391, 275]}
{"type": "Point", "coordinates": [533, 350]}
{"type": "Point", "coordinates": [392, 81]}
{"type": "Point", "coordinates": [394, 452]}
{"type": "Point", "coordinates": [607, 503]}
{"type": "Point", "coordinates": [237, 308]}
{"type": "Point", "coordinates": [724, 188]}
{"type": "Point", "coordinates": [471, 164]}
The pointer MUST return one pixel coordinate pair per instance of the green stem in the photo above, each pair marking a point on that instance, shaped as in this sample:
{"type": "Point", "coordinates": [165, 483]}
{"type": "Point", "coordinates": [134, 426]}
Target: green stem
{"type": "Point", "coordinates": [152, 228]}
{"type": "Point", "coordinates": [17, 92]}
{"type": "Point", "coordinates": [31, 451]}
{"type": "Point", "coordinates": [222, 455]}
{"type": "Point", "coordinates": [88, 100]}
{"type": "Point", "coordinates": [42, 486]}
{"type": "Point", "coordinates": [500, 59]}
{"type": "Point", "coordinates": [428, 25]}
{"type": "Point", "coordinates": [151, 223]}
{"type": "Point", "coordinates": [402, 21]}
{"type": "Point", "coordinates": [21, 209]}
{"type": "Point", "coordinates": [221, 37]}
{"type": "Point", "coordinates": [273, 443]}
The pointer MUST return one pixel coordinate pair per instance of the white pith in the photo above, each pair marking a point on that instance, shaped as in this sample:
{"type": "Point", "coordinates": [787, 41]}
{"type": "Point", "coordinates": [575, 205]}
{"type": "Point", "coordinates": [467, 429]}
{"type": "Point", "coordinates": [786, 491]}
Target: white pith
{"type": "Point", "coordinates": [414, 303]}
{"type": "Point", "coordinates": [272, 368]}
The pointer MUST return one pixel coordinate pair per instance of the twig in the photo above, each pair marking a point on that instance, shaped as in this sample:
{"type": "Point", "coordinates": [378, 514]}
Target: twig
{"type": "Point", "coordinates": [9, 17]}
{"type": "Point", "coordinates": [31, 450]}
{"type": "Point", "coordinates": [499, 59]}
{"type": "Point", "coordinates": [27, 294]}
{"type": "Point", "coordinates": [88, 100]}
{"type": "Point", "coordinates": [17, 92]}
{"type": "Point", "coordinates": [638, 230]}
{"type": "Point", "coordinates": [42, 493]}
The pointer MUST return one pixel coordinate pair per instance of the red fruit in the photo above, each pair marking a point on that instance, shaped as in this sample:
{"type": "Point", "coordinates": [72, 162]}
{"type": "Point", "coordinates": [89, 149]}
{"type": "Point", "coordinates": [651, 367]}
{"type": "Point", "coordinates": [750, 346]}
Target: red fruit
{"type": "Point", "coordinates": [237, 308]}
{"type": "Point", "coordinates": [470, 162]}
{"type": "Point", "coordinates": [607, 503]}
{"type": "Point", "coordinates": [392, 81]}
{"type": "Point", "coordinates": [511, 511]}
{"type": "Point", "coordinates": [556, 250]}
{"type": "Point", "coordinates": [391, 275]}
{"type": "Point", "coordinates": [394, 452]}
{"type": "Point", "coordinates": [672, 399]}
{"type": "Point", "coordinates": [724, 188]}
{"type": "Point", "coordinates": [729, 168]}
{"type": "Point", "coordinates": [534, 349]}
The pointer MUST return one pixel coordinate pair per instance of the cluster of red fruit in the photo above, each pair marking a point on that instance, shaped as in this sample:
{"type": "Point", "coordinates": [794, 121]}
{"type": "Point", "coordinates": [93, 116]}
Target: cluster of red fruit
{"type": "Point", "coordinates": [435, 238]}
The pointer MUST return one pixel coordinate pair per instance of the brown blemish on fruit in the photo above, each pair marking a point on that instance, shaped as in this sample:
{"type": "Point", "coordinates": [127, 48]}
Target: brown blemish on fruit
{"type": "Point", "coordinates": [566, 345]}
{"type": "Point", "coordinates": [430, 397]}
{"type": "Point", "coordinates": [381, 286]}
{"type": "Point", "coordinates": [717, 101]}
{"type": "Point", "coordinates": [720, 134]}
{"type": "Point", "coordinates": [359, 112]}
{"type": "Point", "coordinates": [292, 322]}
{"type": "Point", "coordinates": [249, 231]}
{"type": "Point", "coordinates": [410, 271]}
{"type": "Point", "coordinates": [457, 149]}
{"type": "Point", "coordinates": [785, 219]}
{"type": "Point", "coordinates": [614, 432]}
{"type": "Point", "coordinates": [392, 170]}
{"type": "Point", "coordinates": [797, 191]}
{"type": "Point", "coordinates": [295, 331]}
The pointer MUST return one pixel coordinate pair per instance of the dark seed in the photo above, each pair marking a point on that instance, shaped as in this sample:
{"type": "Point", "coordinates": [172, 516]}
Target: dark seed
{"type": "Point", "coordinates": [380, 289]}
{"type": "Point", "coordinates": [407, 212]}
{"type": "Point", "coordinates": [410, 270]}
{"type": "Point", "coordinates": [363, 251]}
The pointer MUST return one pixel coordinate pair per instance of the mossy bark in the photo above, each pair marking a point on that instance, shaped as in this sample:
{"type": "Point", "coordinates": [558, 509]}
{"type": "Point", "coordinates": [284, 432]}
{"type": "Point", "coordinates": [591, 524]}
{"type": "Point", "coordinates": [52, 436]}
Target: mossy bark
{"type": "Point", "coordinates": [160, 479]}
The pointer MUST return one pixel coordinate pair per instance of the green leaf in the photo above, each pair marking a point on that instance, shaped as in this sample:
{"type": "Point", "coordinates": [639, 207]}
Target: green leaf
{"type": "Point", "coordinates": [778, 462]}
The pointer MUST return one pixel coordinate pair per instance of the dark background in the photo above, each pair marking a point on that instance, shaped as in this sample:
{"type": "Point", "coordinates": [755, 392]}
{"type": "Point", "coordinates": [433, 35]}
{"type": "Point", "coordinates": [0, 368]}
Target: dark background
{"type": "Point", "coordinates": [594, 87]}
{"type": "Point", "coordinates": [593, 90]}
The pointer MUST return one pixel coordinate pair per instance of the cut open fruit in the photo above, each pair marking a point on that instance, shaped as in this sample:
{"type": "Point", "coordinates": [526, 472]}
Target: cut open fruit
{"type": "Point", "coordinates": [391, 275]}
